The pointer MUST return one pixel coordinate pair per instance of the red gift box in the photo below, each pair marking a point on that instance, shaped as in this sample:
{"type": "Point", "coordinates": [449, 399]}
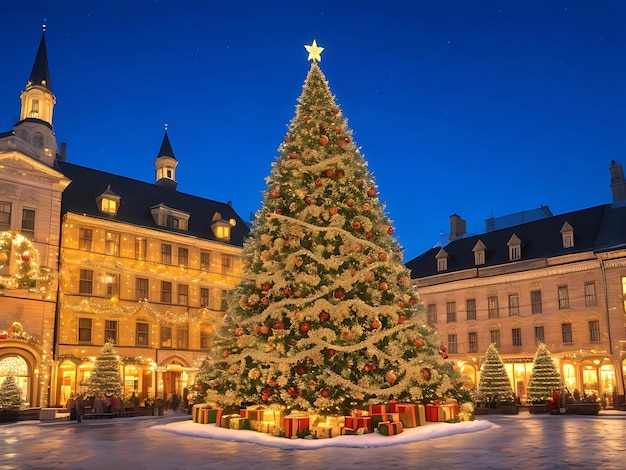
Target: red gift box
{"type": "Point", "coordinates": [390, 428]}
{"type": "Point", "coordinates": [294, 424]}
{"type": "Point", "coordinates": [378, 409]}
{"type": "Point", "coordinates": [356, 422]}
{"type": "Point", "coordinates": [393, 406]}
{"type": "Point", "coordinates": [432, 412]}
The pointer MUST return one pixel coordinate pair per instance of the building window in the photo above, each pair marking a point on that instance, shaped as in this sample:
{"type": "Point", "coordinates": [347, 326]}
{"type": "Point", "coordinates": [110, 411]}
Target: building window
{"type": "Point", "coordinates": [227, 265]}
{"type": "Point", "coordinates": [143, 334]}
{"type": "Point", "coordinates": [110, 331]}
{"type": "Point", "coordinates": [205, 260]}
{"type": "Point", "coordinates": [183, 338]}
{"type": "Point", "coordinates": [472, 339]}
{"type": "Point", "coordinates": [442, 264]}
{"type": "Point", "coordinates": [515, 253]}
{"type": "Point", "coordinates": [166, 336]}
{"type": "Point", "coordinates": [38, 140]}
{"type": "Point", "coordinates": [432, 313]}
{"type": "Point", "coordinates": [5, 215]}
{"type": "Point", "coordinates": [492, 307]}
{"type": "Point", "coordinates": [516, 336]}
{"type": "Point", "coordinates": [183, 257]}
{"type": "Point", "coordinates": [513, 305]}
{"type": "Point", "coordinates": [540, 336]}
{"type": "Point", "coordinates": [225, 295]}
{"type": "Point", "coordinates": [85, 237]}
{"type": "Point", "coordinates": [34, 109]}
{"type": "Point", "coordinates": [141, 247]}
{"type": "Point", "coordinates": [495, 337]}
{"type": "Point", "coordinates": [594, 331]}
{"type": "Point", "coordinates": [452, 348]}
{"type": "Point", "coordinates": [450, 312]}
{"type": "Point", "coordinates": [112, 244]}
{"type": "Point", "coordinates": [183, 294]}
{"type": "Point", "coordinates": [28, 222]}
{"type": "Point", "coordinates": [166, 253]}
{"type": "Point", "coordinates": [204, 297]}
{"type": "Point", "coordinates": [205, 337]}
{"type": "Point", "coordinates": [563, 297]}
{"type": "Point", "coordinates": [568, 240]}
{"type": "Point", "coordinates": [172, 222]}
{"type": "Point", "coordinates": [85, 283]}
{"type": "Point", "coordinates": [84, 330]}
{"type": "Point", "coordinates": [535, 301]}
{"type": "Point", "coordinates": [590, 294]}
{"type": "Point", "coordinates": [515, 248]}
{"type": "Point", "coordinates": [566, 330]}
{"type": "Point", "coordinates": [470, 307]}
{"type": "Point", "coordinates": [166, 292]}
{"type": "Point", "coordinates": [141, 289]}
{"type": "Point", "coordinates": [108, 206]}
{"type": "Point", "coordinates": [113, 284]}
{"type": "Point", "coordinates": [479, 258]}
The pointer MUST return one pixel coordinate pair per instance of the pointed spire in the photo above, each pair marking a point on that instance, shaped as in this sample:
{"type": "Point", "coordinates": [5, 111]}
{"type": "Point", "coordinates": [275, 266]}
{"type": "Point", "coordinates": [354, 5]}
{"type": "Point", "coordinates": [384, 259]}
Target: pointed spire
{"type": "Point", "coordinates": [166, 147]}
{"type": "Point", "coordinates": [40, 75]}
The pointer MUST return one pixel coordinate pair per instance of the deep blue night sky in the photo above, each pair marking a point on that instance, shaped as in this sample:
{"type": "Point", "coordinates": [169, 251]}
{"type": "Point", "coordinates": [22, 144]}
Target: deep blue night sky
{"type": "Point", "coordinates": [477, 108]}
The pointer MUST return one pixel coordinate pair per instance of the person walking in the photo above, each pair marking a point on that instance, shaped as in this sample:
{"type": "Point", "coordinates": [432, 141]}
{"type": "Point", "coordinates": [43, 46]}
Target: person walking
{"type": "Point", "coordinates": [70, 405]}
{"type": "Point", "coordinates": [80, 407]}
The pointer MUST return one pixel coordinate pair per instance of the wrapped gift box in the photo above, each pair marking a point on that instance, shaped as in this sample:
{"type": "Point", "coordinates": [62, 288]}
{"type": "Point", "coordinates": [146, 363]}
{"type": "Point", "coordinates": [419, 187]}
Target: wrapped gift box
{"type": "Point", "coordinates": [441, 412]}
{"type": "Point", "coordinates": [196, 412]}
{"type": "Point", "coordinates": [408, 415]}
{"type": "Point", "coordinates": [393, 406]}
{"type": "Point", "coordinates": [224, 421]}
{"type": "Point", "coordinates": [239, 423]}
{"type": "Point", "coordinates": [356, 422]}
{"type": "Point", "coordinates": [325, 431]}
{"type": "Point", "coordinates": [382, 417]}
{"type": "Point", "coordinates": [390, 428]}
{"type": "Point", "coordinates": [211, 415]}
{"type": "Point", "coordinates": [378, 409]}
{"type": "Point", "coordinates": [295, 424]}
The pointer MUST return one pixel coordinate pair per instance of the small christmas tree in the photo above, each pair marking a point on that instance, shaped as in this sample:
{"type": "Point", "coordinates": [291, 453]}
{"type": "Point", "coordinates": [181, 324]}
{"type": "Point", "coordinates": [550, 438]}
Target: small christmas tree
{"type": "Point", "coordinates": [325, 317]}
{"type": "Point", "coordinates": [544, 379]}
{"type": "Point", "coordinates": [494, 386]}
{"type": "Point", "coordinates": [10, 395]}
{"type": "Point", "coordinates": [105, 377]}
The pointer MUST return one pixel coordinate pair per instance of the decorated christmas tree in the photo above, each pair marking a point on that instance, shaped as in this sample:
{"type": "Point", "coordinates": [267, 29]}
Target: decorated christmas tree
{"type": "Point", "coordinates": [325, 317]}
{"type": "Point", "coordinates": [494, 386]}
{"type": "Point", "coordinates": [105, 377]}
{"type": "Point", "coordinates": [10, 395]}
{"type": "Point", "coordinates": [544, 379]}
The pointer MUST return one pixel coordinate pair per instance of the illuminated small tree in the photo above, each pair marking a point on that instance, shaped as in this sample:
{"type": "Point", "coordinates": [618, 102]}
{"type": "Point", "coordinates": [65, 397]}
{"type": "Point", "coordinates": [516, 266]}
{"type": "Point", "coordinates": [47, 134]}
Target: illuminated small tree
{"type": "Point", "coordinates": [545, 378]}
{"type": "Point", "coordinates": [105, 377]}
{"type": "Point", "coordinates": [10, 395]}
{"type": "Point", "coordinates": [494, 385]}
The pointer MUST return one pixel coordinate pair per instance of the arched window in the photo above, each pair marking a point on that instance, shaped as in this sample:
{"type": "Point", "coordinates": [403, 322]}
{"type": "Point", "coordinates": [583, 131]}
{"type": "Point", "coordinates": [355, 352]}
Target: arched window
{"type": "Point", "coordinates": [38, 140]}
{"type": "Point", "coordinates": [18, 367]}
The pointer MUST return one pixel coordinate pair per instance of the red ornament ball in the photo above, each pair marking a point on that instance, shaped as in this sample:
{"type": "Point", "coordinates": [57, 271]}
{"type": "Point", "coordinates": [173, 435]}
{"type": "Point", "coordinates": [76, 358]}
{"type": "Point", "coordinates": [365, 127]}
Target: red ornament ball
{"type": "Point", "coordinates": [323, 140]}
{"type": "Point", "coordinates": [324, 393]}
{"type": "Point", "coordinates": [330, 173]}
{"type": "Point", "coordinates": [389, 230]}
{"type": "Point", "coordinates": [225, 353]}
{"type": "Point", "coordinates": [305, 327]}
{"type": "Point", "coordinates": [371, 192]}
{"type": "Point", "coordinates": [25, 256]}
{"type": "Point", "coordinates": [293, 155]}
{"type": "Point", "coordinates": [356, 225]}
{"type": "Point", "coordinates": [350, 202]}
{"type": "Point", "coordinates": [300, 370]}
{"type": "Point", "coordinates": [339, 294]}
{"type": "Point", "coordinates": [324, 315]}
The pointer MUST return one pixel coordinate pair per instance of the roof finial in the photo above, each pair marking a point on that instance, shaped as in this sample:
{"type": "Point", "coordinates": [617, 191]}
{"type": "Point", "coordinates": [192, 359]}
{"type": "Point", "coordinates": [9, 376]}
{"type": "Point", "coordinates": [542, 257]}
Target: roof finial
{"type": "Point", "coordinates": [43, 26]}
{"type": "Point", "coordinates": [314, 52]}
{"type": "Point", "coordinates": [165, 125]}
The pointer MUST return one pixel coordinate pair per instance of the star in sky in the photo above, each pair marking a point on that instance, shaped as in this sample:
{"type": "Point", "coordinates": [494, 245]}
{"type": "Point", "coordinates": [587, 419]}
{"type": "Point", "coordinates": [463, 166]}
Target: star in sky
{"type": "Point", "coordinates": [314, 51]}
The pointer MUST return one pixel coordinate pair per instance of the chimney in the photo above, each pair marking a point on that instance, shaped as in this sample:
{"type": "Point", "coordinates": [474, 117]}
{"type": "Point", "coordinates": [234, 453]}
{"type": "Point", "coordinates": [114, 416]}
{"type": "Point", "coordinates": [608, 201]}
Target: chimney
{"type": "Point", "coordinates": [457, 227]}
{"type": "Point", "coordinates": [63, 151]}
{"type": "Point", "coordinates": [618, 185]}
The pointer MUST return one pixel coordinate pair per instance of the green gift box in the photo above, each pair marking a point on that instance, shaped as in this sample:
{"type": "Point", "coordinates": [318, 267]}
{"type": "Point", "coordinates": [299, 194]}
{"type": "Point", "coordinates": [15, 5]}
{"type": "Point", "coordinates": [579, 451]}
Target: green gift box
{"type": "Point", "coordinates": [239, 423]}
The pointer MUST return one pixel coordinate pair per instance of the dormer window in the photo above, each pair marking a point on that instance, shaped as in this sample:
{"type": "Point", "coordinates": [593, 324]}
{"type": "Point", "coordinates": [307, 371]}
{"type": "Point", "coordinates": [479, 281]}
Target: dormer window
{"type": "Point", "coordinates": [567, 232]}
{"type": "Point", "coordinates": [168, 217]}
{"type": "Point", "coordinates": [108, 202]}
{"type": "Point", "coordinates": [479, 253]}
{"type": "Point", "coordinates": [442, 260]}
{"type": "Point", "coordinates": [221, 227]}
{"type": "Point", "coordinates": [515, 248]}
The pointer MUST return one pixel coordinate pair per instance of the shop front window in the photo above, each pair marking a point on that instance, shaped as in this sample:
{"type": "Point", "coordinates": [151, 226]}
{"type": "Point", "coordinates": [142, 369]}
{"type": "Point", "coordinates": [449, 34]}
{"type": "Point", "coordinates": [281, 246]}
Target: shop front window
{"type": "Point", "coordinates": [17, 366]}
{"type": "Point", "coordinates": [569, 377]}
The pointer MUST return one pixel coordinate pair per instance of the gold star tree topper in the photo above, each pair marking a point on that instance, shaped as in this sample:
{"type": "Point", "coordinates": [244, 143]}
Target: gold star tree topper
{"type": "Point", "coordinates": [314, 52]}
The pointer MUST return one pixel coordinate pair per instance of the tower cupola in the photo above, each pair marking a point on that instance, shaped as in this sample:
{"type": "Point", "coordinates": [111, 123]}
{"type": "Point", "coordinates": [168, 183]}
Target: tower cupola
{"type": "Point", "coordinates": [165, 164]}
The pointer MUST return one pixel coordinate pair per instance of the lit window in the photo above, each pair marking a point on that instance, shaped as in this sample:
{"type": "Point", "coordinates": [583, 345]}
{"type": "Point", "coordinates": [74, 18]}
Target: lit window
{"type": "Point", "coordinates": [141, 289]}
{"type": "Point", "coordinates": [85, 283]}
{"type": "Point", "coordinates": [108, 202]}
{"type": "Point", "coordinates": [84, 239]}
{"type": "Point", "coordinates": [183, 338]}
{"type": "Point", "coordinates": [113, 284]}
{"type": "Point", "coordinates": [166, 253]}
{"type": "Point", "coordinates": [141, 246]}
{"type": "Point", "coordinates": [227, 265]}
{"type": "Point", "coordinates": [112, 244]}
{"type": "Point", "coordinates": [110, 331]}
{"type": "Point", "coordinates": [108, 205]}
{"type": "Point", "coordinates": [204, 297]}
{"type": "Point", "coordinates": [183, 294]}
{"type": "Point", "coordinates": [205, 260]}
{"type": "Point", "coordinates": [166, 336]}
{"type": "Point", "coordinates": [166, 292]}
{"type": "Point", "coordinates": [183, 257]}
{"type": "Point", "coordinates": [492, 307]}
{"type": "Point", "coordinates": [34, 109]}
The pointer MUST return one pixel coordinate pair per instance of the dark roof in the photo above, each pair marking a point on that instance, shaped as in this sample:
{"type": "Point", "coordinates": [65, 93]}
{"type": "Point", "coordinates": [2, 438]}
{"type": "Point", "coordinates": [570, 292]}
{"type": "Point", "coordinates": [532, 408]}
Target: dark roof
{"type": "Point", "coordinates": [166, 148]}
{"type": "Point", "coordinates": [595, 229]}
{"type": "Point", "coordinates": [137, 197]}
{"type": "Point", "coordinates": [40, 70]}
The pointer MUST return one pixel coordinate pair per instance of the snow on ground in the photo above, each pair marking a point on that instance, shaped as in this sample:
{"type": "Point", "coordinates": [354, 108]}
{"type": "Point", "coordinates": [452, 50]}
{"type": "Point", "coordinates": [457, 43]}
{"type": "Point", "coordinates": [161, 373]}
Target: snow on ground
{"type": "Point", "coordinates": [421, 433]}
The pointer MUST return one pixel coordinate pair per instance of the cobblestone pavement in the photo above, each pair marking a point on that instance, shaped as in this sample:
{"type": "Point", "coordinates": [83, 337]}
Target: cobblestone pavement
{"type": "Point", "coordinates": [524, 442]}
